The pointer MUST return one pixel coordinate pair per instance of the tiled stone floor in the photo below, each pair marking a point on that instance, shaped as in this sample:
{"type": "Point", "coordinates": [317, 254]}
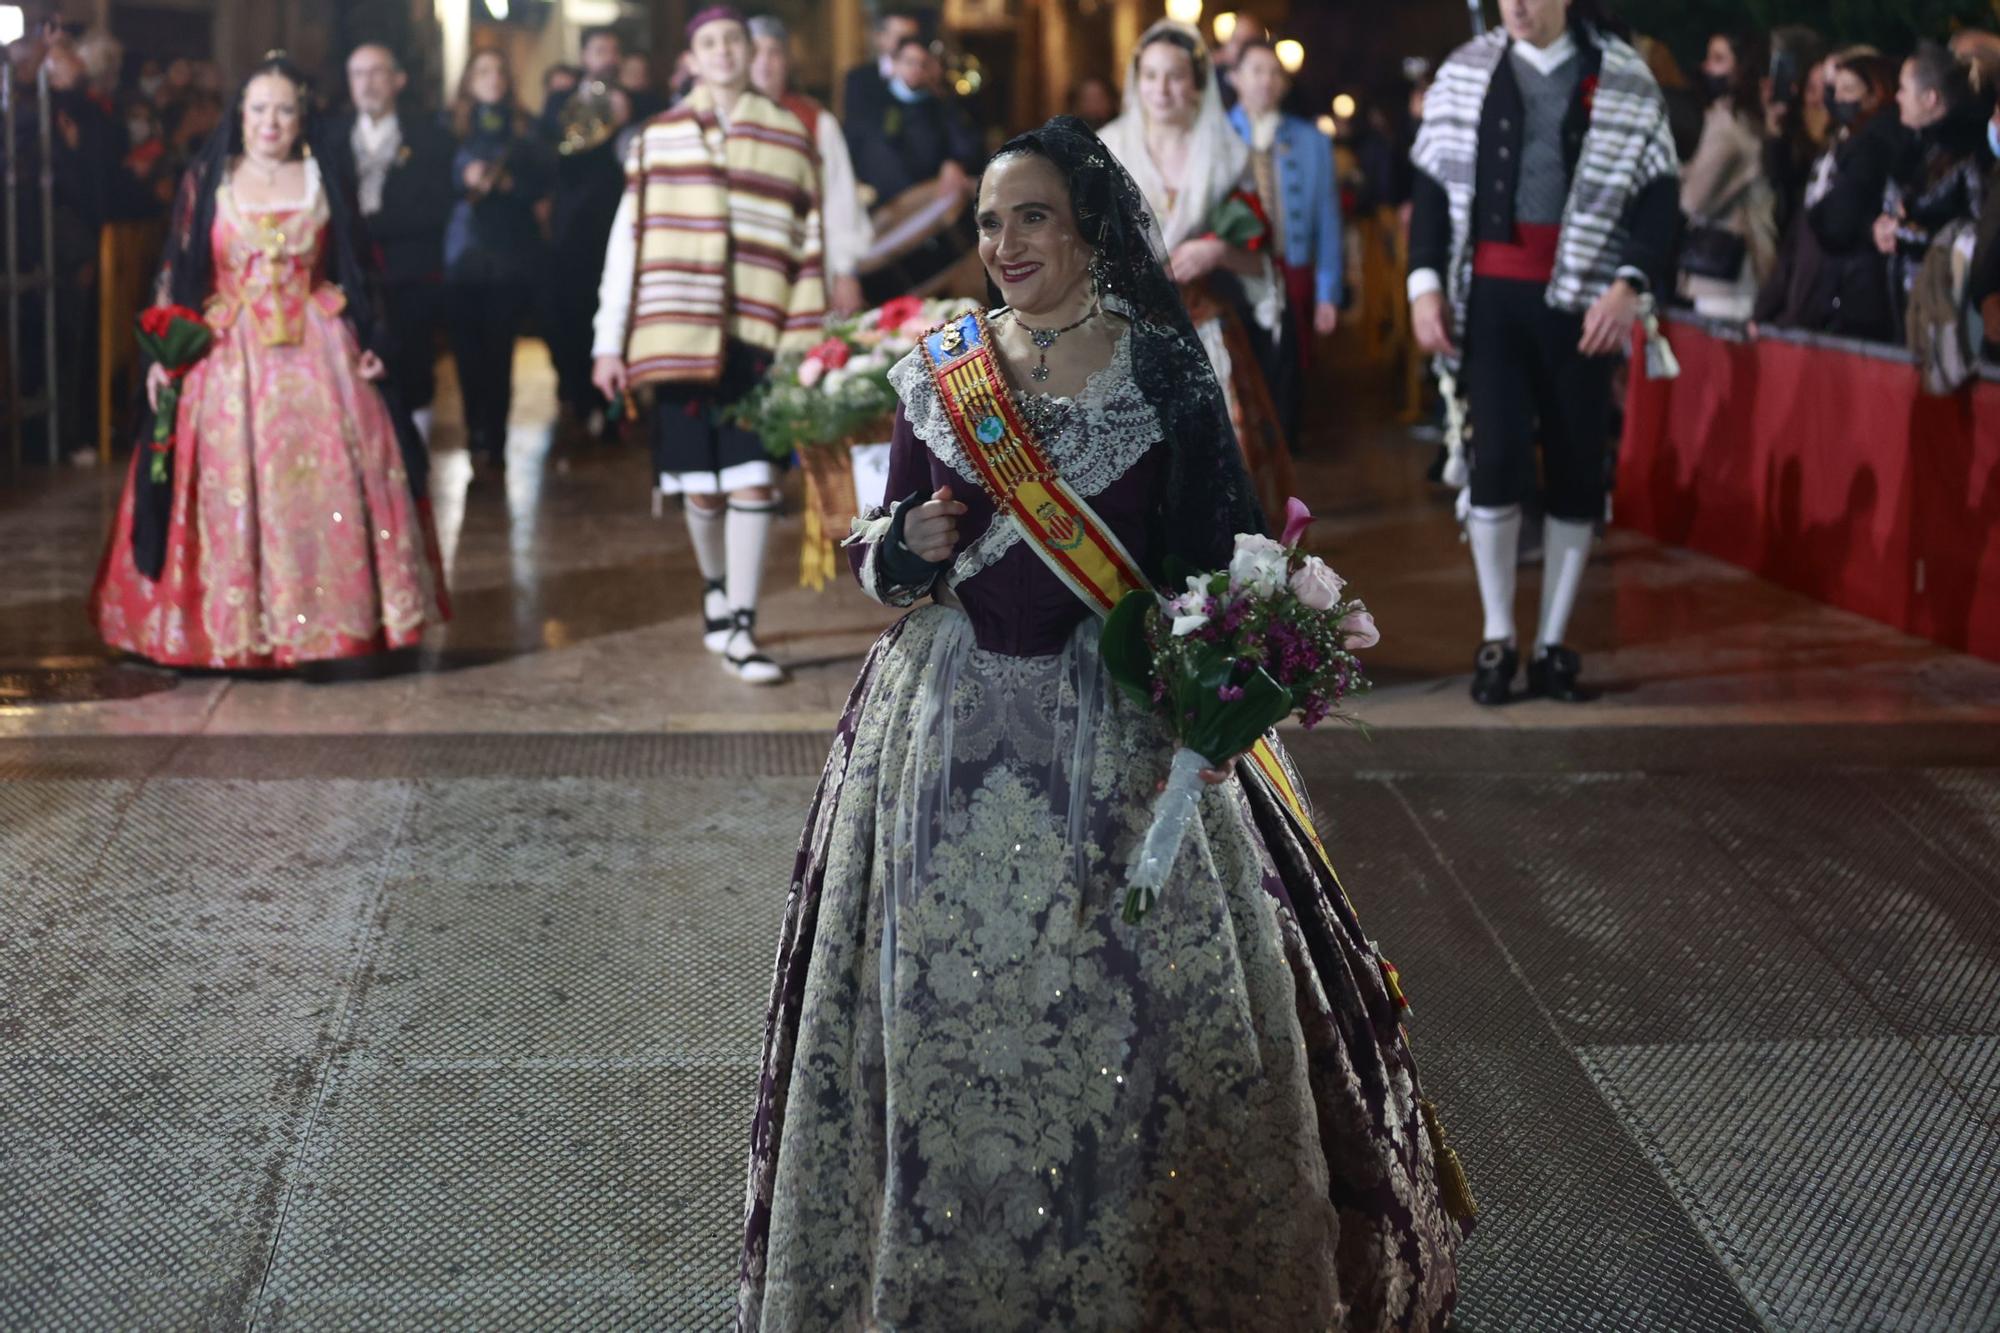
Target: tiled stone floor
{"type": "Point", "coordinates": [429, 994]}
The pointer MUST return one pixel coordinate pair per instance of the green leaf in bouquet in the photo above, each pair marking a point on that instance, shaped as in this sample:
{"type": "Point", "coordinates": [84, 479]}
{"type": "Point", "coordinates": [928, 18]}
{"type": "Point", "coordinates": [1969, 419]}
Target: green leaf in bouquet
{"type": "Point", "coordinates": [1235, 222]}
{"type": "Point", "coordinates": [1128, 658]}
{"type": "Point", "coordinates": [1218, 727]}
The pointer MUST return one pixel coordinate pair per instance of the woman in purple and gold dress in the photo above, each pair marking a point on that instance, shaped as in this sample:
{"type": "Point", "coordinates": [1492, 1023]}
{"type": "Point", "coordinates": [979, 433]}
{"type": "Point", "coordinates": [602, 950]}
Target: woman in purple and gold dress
{"type": "Point", "coordinates": [986, 1101]}
{"type": "Point", "coordinates": [290, 527]}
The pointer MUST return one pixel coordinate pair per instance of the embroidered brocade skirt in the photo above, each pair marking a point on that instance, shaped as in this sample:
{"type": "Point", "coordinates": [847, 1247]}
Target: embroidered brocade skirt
{"type": "Point", "coordinates": [987, 1103]}
{"type": "Point", "coordinates": [293, 535]}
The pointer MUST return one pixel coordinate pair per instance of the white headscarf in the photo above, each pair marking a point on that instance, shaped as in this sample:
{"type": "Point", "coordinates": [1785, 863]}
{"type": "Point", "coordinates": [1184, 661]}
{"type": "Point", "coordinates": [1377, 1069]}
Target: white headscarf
{"type": "Point", "coordinates": [1218, 161]}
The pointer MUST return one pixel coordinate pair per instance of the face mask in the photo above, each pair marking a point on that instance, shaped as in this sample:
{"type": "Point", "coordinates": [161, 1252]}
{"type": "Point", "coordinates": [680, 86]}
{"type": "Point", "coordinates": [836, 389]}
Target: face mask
{"type": "Point", "coordinates": [1826, 96]}
{"type": "Point", "coordinates": [150, 85]}
{"type": "Point", "coordinates": [138, 131]}
{"type": "Point", "coordinates": [1845, 114]}
{"type": "Point", "coordinates": [903, 92]}
{"type": "Point", "coordinates": [1993, 137]}
{"type": "Point", "coordinates": [1715, 85]}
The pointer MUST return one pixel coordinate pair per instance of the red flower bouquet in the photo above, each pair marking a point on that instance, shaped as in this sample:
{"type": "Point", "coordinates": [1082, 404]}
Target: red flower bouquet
{"type": "Point", "coordinates": [1240, 220]}
{"type": "Point", "coordinates": [176, 337]}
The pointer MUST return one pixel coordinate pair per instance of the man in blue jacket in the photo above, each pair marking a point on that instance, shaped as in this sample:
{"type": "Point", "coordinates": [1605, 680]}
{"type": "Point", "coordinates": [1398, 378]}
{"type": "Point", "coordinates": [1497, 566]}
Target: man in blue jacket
{"type": "Point", "coordinates": [1294, 166]}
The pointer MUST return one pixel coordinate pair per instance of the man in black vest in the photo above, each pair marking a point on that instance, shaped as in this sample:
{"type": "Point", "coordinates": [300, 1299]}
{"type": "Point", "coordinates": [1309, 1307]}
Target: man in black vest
{"type": "Point", "coordinates": [399, 169]}
{"type": "Point", "coordinates": [1539, 283]}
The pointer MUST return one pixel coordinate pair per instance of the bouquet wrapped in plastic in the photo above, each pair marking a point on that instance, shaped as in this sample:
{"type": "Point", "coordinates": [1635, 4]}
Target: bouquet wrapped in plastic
{"type": "Point", "coordinates": [175, 337]}
{"type": "Point", "coordinates": [1236, 652]}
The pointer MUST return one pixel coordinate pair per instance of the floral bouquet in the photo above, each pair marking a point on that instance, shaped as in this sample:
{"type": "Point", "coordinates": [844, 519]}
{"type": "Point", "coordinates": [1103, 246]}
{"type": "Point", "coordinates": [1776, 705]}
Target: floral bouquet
{"type": "Point", "coordinates": [836, 389]}
{"type": "Point", "coordinates": [1226, 660]}
{"type": "Point", "coordinates": [1240, 220]}
{"type": "Point", "coordinates": [176, 337]}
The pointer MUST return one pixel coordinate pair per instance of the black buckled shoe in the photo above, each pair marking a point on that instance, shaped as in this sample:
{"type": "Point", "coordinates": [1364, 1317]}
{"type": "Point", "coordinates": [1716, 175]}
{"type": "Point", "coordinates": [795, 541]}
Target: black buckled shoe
{"type": "Point", "coordinates": [745, 660]}
{"type": "Point", "coordinates": [1552, 675]}
{"type": "Point", "coordinates": [1493, 669]}
{"type": "Point", "coordinates": [715, 630]}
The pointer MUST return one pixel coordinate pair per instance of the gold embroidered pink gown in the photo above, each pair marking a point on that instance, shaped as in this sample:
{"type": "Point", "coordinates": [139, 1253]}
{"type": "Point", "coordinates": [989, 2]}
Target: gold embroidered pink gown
{"type": "Point", "coordinates": [293, 534]}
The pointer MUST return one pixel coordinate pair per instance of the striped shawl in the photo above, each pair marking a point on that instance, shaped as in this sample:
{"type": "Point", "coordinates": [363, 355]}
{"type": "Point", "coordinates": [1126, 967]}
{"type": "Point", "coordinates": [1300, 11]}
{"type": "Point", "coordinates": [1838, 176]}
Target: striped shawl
{"type": "Point", "coordinates": [728, 237]}
{"type": "Point", "coordinates": [1626, 147]}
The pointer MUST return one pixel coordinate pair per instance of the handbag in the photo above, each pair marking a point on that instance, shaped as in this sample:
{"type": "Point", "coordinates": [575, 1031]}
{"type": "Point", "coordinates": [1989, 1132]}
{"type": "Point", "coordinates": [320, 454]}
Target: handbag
{"type": "Point", "coordinates": [1709, 251]}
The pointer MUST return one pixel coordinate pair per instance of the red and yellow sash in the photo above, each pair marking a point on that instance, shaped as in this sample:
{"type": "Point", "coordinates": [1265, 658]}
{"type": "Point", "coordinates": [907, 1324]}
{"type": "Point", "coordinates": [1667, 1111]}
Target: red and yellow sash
{"type": "Point", "coordinates": [1068, 535]}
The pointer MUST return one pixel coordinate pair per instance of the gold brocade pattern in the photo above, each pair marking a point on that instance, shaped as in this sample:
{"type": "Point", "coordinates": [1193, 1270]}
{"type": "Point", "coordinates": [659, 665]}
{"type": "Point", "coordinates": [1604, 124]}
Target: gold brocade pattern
{"type": "Point", "coordinates": [293, 534]}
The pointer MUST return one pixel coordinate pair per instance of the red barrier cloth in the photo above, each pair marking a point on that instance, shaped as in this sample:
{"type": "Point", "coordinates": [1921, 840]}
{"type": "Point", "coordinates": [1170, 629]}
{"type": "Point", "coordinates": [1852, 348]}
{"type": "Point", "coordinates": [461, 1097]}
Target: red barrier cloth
{"type": "Point", "coordinates": [1531, 257]}
{"type": "Point", "coordinates": [1827, 472]}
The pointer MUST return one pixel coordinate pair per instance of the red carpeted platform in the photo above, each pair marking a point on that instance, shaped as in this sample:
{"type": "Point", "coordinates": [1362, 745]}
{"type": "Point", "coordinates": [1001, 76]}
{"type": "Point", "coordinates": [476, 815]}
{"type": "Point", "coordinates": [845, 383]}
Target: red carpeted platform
{"type": "Point", "coordinates": [1827, 470]}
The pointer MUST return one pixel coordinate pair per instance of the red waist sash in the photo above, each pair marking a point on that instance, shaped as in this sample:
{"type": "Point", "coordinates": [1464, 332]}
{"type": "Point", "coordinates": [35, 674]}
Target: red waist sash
{"type": "Point", "coordinates": [1530, 257]}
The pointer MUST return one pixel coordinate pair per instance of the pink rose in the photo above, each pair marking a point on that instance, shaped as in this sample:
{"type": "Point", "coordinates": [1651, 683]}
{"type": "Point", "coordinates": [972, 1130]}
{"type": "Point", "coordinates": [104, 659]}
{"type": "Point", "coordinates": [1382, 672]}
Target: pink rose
{"type": "Point", "coordinates": [1316, 585]}
{"type": "Point", "coordinates": [810, 371]}
{"type": "Point", "coordinates": [1359, 627]}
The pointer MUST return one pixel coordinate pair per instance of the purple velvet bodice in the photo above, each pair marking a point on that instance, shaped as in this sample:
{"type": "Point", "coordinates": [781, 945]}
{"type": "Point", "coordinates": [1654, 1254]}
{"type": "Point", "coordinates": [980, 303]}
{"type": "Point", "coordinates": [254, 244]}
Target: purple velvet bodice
{"type": "Point", "coordinates": [1016, 605]}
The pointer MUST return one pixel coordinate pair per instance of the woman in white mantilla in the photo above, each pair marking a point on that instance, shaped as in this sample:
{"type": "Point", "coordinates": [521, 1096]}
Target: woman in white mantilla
{"type": "Point", "coordinates": [1175, 140]}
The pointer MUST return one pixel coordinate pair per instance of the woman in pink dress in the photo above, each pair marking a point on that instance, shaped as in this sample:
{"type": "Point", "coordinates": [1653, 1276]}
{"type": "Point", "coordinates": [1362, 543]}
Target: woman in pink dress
{"type": "Point", "coordinates": [290, 527]}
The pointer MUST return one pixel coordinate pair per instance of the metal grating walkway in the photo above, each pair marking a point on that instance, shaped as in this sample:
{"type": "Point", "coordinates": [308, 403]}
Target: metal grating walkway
{"type": "Point", "coordinates": [352, 1032]}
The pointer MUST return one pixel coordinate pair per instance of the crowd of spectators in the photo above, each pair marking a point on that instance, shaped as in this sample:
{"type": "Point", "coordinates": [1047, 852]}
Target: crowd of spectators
{"type": "Point", "coordinates": [515, 228]}
{"type": "Point", "coordinates": [1826, 181]}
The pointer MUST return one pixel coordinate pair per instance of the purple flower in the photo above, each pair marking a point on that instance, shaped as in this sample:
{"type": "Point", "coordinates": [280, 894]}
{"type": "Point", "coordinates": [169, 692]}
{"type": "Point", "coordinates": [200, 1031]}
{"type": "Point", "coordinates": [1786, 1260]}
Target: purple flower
{"type": "Point", "coordinates": [1229, 694]}
{"type": "Point", "coordinates": [1315, 711]}
{"type": "Point", "coordinates": [1297, 519]}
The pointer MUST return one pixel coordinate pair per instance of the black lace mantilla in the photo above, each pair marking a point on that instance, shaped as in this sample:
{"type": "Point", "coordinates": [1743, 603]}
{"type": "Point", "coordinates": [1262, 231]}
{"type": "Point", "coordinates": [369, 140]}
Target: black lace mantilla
{"type": "Point", "coordinates": [1207, 495]}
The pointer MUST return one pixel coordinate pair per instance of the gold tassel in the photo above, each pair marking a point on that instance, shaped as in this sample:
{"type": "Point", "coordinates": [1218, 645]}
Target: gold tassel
{"type": "Point", "coordinates": [816, 553]}
{"type": "Point", "coordinates": [1454, 1191]}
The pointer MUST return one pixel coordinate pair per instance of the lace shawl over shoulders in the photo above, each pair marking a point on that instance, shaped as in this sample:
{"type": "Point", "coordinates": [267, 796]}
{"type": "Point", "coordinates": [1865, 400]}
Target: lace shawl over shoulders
{"type": "Point", "coordinates": [1106, 428]}
{"type": "Point", "coordinates": [1094, 438]}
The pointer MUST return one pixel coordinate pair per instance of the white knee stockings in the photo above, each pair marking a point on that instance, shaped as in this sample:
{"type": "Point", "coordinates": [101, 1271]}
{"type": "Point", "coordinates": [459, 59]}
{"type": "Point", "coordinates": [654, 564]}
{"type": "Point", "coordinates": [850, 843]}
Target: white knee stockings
{"type": "Point", "coordinates": [1496, 543]}
{"type": "Point", "coordinates": [749, 531]}
{"type": "Point", "coordinates": [1565, 551]}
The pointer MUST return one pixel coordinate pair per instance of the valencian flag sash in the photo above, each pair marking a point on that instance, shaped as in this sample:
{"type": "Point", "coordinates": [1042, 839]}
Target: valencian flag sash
{"type": "Point", "coordinates": [1068, 535]}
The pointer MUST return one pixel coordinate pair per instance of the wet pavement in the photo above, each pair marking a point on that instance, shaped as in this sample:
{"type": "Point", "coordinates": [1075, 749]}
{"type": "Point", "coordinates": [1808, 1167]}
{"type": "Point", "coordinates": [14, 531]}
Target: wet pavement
{"type": "Point", "coordinates": [428, 991]}
{"type": "Point", "coordinates": [576, 610]}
